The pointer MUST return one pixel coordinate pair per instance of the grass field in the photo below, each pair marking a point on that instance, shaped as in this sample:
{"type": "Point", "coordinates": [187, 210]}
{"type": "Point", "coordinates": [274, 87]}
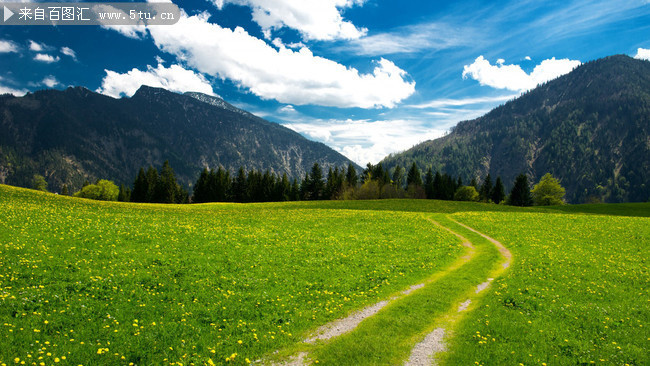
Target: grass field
{"type": "Point", "coordinates": [94, 283]}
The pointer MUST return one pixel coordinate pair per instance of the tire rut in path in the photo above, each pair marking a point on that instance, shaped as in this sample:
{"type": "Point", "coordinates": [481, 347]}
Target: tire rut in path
{"type": "Point", "coordinates": [349, 323]}
{"type": "Point", "coordinates": [424, 353]}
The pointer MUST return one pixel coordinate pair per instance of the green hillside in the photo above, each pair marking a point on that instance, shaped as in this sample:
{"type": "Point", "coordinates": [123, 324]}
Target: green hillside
{"type": "Point", "coordinates": [589, 128]}
{"type": "Point", "coordinates": [75, 135]}
{"type": "Point", "coordinates": [87, 282]}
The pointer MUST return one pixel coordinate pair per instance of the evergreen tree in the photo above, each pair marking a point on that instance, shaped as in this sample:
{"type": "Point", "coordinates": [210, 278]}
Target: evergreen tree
{"type": "Point", "coordinates": [140, 187]}
{"type": "Point", "coordinates": [398, 177]}
{"type": "Point", "coordinates": [520, 193]}
{"type": "Point", "coordinates": [316, 185]}
{"type": "Point", "coordinates": [65, 191]}
{"type": "Point", "coordinates": [239, 186]}
{"type": "Point", "coordinates": [351, 177]}
{"type": "Point", "coordinates": [428, 184]}
{"type": "Point", "coordinates": [124, 194]}
{"type": "Point", "coordinates": [283, 189]}
{"type": "Point", "coordinates": [498, 192]}
{"type": "Point", "coordinates": [414, 176]}
{"type": "Point", "coordinates": [459, 183]}
{"type": "Point", "coordinates": [167, 189]}
{"type": "Point", "coordinates": [438, 187]}
{"type": "Point", "coordinates": [473, 183]}
{"type": "Point", "coordinates": [222, 184]}
{"type": "Point", "coordinates": [486, 189]}
{"type": "Point", "coordinates": [201, 187]}
{"type": "Point", "coordinates": [295, 191]}
{"type": "Point", "coordinates": [152, 182]}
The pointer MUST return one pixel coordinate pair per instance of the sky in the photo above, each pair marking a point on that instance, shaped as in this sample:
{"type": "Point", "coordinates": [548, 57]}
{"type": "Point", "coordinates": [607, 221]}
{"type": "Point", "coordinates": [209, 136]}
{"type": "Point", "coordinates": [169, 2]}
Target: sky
{"type": "Point", "coordinates": [366, 77]}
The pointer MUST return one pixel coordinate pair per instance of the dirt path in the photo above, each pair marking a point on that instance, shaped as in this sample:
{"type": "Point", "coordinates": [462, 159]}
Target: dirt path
{"type": "Point", "coordinates": [349, 323]}
{"type": "Point", "coordinates": [433, 343]}
{"type": "Point", "coordinates": [424, 353]}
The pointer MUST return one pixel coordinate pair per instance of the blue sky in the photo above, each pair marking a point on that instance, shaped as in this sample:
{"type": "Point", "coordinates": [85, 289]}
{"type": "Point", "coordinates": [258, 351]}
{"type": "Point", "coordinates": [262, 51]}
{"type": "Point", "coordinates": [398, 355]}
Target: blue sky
{"type": "Point", "coordinates": [366, 77]}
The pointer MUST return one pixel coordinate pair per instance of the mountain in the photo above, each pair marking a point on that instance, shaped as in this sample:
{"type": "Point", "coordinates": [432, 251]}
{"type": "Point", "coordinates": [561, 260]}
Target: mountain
{"type": "Point", "coordinates": [589, 128]}
{"type": "Point", "coordinates": [75, 135]}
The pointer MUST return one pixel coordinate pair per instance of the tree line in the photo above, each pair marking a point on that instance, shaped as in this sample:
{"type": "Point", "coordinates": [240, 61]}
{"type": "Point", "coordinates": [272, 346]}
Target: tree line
{"type": "Point", "coordinates": [375, 182]}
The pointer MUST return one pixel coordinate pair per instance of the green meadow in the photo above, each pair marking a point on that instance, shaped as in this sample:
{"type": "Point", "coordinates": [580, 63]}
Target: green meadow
{"type": "Point", "coordinates": [96, 283]}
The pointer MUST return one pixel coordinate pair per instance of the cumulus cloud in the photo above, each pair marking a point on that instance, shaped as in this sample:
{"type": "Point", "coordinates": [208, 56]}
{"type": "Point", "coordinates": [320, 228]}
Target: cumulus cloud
{"type": "Point", "coordinates": [314, 19]}
{"type": "Point", "coordinates": [174, 78]}
{"type": "Point", "coordinates": [288, 76]}
{"type": "Point", "coordinates": [287, 109]}
{"type": "Point", "coordinates": [642, 54]}
{"type": "Point", "coordinates": [43, 57]}
{"type": "Point", "coordinates": [50, 81]}
{"type": "Point", "coordinates": [36, 47]}
{"type": "Point", "coordinates": [7, 46]}
{"type": "Point", "coordinates": [10, 90]}
{"type": "Point", "coordinates": [365, 141]}
{"type": "Point", "coordinates": [69, 52]}
{"type": "Point", "coordinates": [512, 77]}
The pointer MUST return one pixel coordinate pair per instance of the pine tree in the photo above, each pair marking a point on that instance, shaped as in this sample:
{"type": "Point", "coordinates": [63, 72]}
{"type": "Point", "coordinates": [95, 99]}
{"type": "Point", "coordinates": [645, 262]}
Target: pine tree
{"type": "Point", "coordinates": [520, 193]}
{"type": "Point", "coordinates": [398, 177]}
{"type": "Point", "coordinates": [124, 194]}
{"type": "Point", "coordinates": [239, 186]}
{"type": "Point", "coordinates": [64, 190]}
{"type": "Point", "coordinates": [473, 183]}
{"type": "Point", "coordinates": [316, 185]}
{"type": "Point", "coordinates": [414, 176]}
{"type": "Point", "coordinates": [351, 176]}
{"type": "Point", "coordinates": [486, 189]}
{"type": "Point", "coordinates": [438, 187]}
{"type": "Point", "coordinates": [428, 184]}
{"type": "Point", "coordinates": [166, 189]}
{"type": "Point", "coordinates": [140, 187]}
{"type": "Point", "coordinates": [201, 187]}
{"type": "Point", "coordinates": [283, 189]}
{"type": "Point", "coordinates": [498, 192]}
{"type": "Point", "coordinates": [295, 191]}
{"type": "Point", "coordinates": [152, 182]}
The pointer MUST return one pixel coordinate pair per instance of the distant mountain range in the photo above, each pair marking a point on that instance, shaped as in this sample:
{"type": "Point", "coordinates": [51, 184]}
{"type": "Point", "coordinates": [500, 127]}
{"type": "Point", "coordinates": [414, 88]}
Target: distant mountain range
{"type": "Point", "coordinates": [590, 128]}
{"type": "Point", "coordinates": [75, 135]}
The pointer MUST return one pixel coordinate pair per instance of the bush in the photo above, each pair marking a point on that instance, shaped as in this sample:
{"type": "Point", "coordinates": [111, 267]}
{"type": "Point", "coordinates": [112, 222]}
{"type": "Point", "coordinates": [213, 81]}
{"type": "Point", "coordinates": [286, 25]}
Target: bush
{"type": "Point", "coordinates": [466, 193]}
{"type": "Point", "coordinates": [548, 192]}
{"type": "Point", "coordinates": [104, 190]}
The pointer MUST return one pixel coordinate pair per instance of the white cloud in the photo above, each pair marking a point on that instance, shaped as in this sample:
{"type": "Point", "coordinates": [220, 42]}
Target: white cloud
{"type": "Point", "coordinates": [501, 61]}
{"type": "Point", "coordinates": [527, 58]}
{"type": "Point", "coordinates": [175, 78]}
{"type": "Point", "coordinates": [642, 54]}
{"type": "Point", "coordinates": [287, 109]}
{"type": "Point", "coordinates": [35, 46]}
{"type": "Point", "coordinates": [314, 19]}
{"type": "Point", "coordinates": [9, 90]}
{"type": "Point", "coordinates": [365, 141]}
{"type": "Point", "coordinates": [291, 77]}
{"type": "Point", "coordinates": [441, 103]}
{"type": "Point", "coordinates": [8, 46]}
{"type": "Point", "coordinates": [131, 31]}
{"type": "Point", "coordinates": [42, 57]}
{"type": "Point", "coordinates": [50, 81]}
{"type": "Point", "coordinates": [412, 39]}
{"type": "Point", "coordinates": [512, 77]}
{"type": "Point", "coordinates": [69, 52]}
